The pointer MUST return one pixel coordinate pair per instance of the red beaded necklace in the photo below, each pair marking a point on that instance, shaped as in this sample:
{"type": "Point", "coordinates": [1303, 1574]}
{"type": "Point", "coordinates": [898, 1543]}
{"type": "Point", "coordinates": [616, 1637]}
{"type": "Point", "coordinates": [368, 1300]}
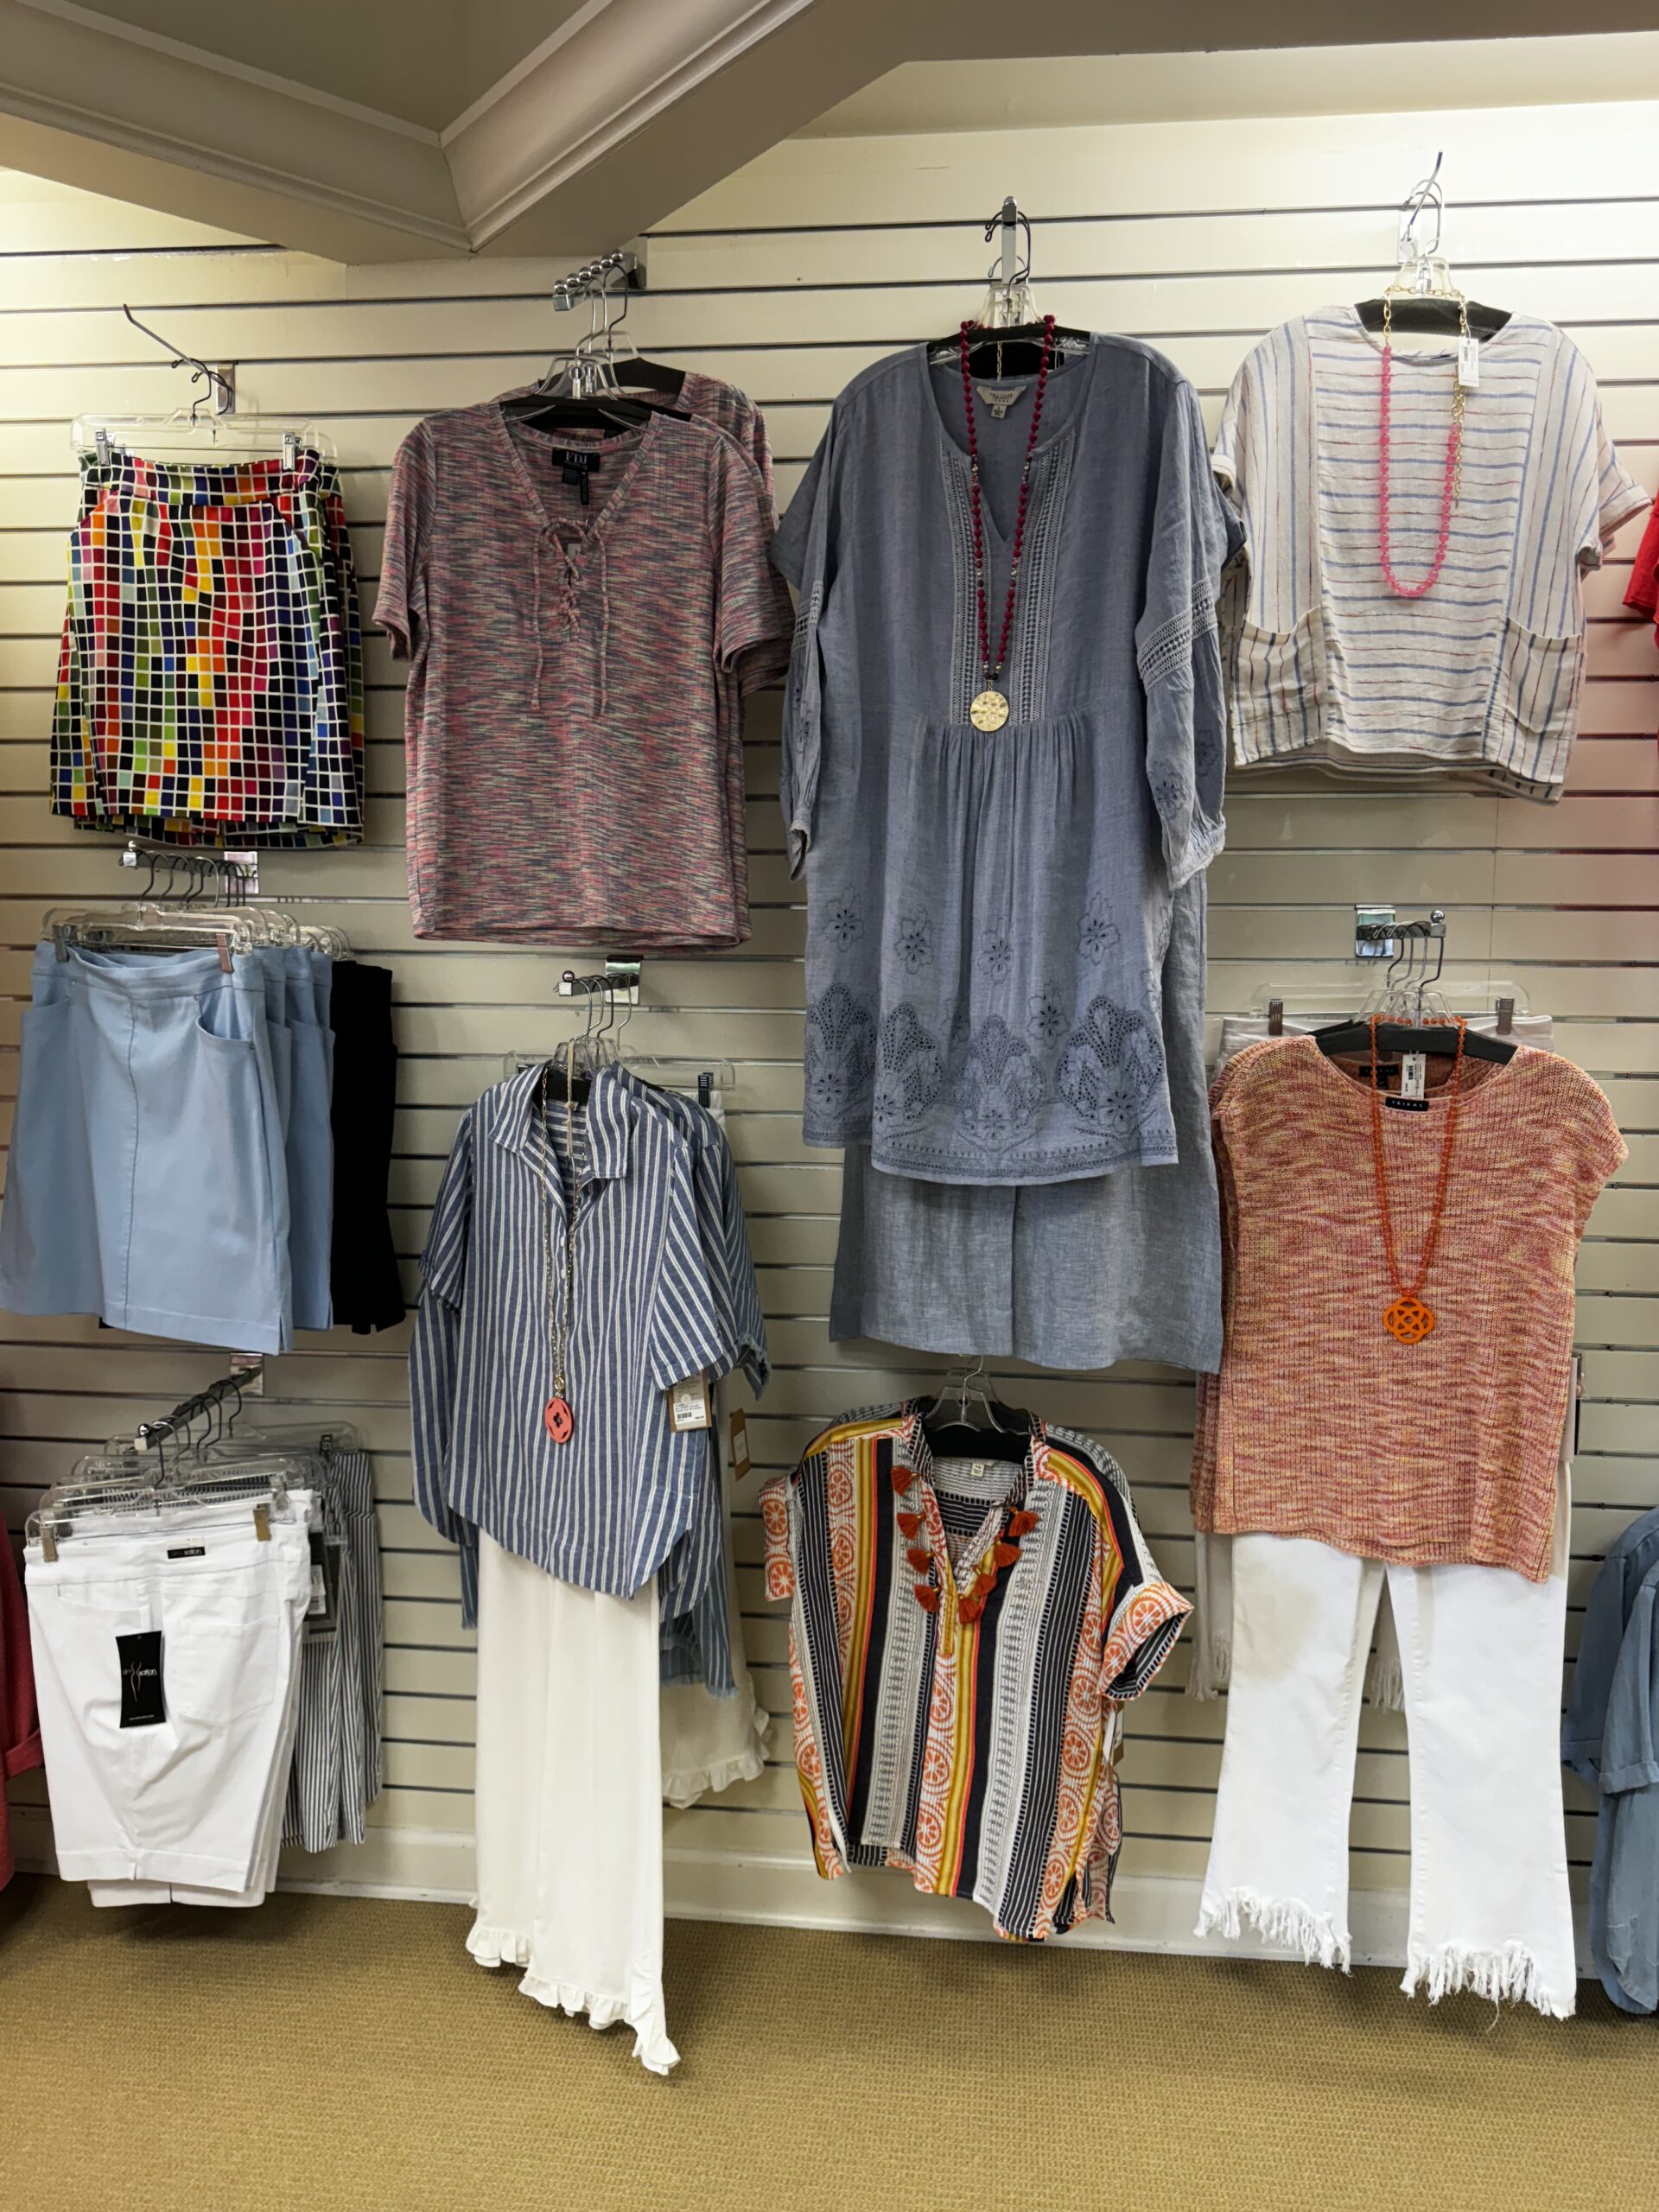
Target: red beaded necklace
{"type": "Point", "coordinates": [989, 709]}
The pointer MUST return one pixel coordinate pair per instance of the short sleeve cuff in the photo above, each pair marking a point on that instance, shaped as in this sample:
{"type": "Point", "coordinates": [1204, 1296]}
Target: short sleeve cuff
{"type": "Point", "coordinates": [1142, 1636]}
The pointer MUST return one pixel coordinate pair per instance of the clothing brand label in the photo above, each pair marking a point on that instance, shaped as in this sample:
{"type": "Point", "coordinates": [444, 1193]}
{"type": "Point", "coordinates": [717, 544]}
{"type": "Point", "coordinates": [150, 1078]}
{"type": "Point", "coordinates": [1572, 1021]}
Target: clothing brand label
{"type": "Point", "coordinates": [1407, 1105]}
{"type": "Point", "coordinates": [1413, 1074]}
{"type": "Point", "coordinates": [140, 1655]}
{"type": "Point", "coordinates": [998, 397]}
{"type": "Point", "coordinates": [576, 465]}
{"type": "Point", "coordinates": [189, 1551]}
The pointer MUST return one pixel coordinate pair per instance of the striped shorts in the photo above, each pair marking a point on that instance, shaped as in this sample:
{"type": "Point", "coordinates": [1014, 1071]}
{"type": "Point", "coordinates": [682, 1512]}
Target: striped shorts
{"type": "Point", "coordinates": [338, 1759]}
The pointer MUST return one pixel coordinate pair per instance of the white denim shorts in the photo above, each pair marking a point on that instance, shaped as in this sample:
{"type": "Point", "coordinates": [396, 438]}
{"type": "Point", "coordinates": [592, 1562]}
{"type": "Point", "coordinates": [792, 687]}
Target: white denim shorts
{"type": "Point", "coordinates": [166, 1753]}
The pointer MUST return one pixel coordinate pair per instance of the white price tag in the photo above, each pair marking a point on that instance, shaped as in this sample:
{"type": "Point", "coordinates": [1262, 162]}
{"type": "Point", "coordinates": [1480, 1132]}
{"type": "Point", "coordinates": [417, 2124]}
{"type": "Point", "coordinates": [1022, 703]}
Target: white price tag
{"type": "Point", "coordinates": [1414, 1075]}
{"type": "Point", "coordinates": [688, 1404]}
{"type": "Point", "coordinates": [1469, 363]}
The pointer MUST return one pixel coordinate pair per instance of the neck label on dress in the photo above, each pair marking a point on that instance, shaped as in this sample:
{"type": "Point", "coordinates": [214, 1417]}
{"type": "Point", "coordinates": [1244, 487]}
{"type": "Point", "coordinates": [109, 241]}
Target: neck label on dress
{"type": "Point", "coordinates": [1407, 1105]}
{"type": "Point", "coordinates": [998, 397]}
{"type": "Point", "coordinates": [140, 1657]}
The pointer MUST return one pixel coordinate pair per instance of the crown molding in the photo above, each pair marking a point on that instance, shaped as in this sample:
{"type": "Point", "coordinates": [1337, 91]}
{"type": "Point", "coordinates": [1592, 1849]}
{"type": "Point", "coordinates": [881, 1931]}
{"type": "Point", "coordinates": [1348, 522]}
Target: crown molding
{"type": "Point", "coordinates": [222, 64]}
{"type": "Point", "coordinates": [73, 75]}
{"type": "Point", "coordinates": [605, 74]}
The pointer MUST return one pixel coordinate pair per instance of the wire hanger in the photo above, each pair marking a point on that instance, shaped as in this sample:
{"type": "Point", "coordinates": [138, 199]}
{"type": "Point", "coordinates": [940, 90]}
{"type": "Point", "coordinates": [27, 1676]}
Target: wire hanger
{"type": "Point", "coordinates": [1421, 296]}
{"type": "Point", "coordinates": [1004, 1433]}
{"type": "Point", "coordinates": [580, 389]}
{"type": "Point", "coordinates": [1413, 1015]}
{"type": "Point", "coordinates": [186, 427]}
{"type": "Point", "coordinates": [1007, 317]}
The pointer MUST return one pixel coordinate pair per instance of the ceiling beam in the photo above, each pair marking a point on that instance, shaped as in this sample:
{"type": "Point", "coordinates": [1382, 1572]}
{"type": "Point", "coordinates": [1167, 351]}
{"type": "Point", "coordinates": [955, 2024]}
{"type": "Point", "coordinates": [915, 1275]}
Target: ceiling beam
{"type": "Point", "coordinates": [628, 111]}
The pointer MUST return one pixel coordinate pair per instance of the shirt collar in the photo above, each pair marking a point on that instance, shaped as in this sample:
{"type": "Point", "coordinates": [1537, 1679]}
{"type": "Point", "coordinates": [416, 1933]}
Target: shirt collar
{"type": "Point", "coordinates": [609, 1120]}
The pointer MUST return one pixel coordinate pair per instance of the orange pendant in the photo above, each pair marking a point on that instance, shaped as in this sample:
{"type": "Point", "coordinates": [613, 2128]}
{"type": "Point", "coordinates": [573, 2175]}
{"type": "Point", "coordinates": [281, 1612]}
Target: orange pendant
{"type": "Point", "coordinates": [560, 1422]}
{"type": "Point", "coordinates": [1409, 1319]}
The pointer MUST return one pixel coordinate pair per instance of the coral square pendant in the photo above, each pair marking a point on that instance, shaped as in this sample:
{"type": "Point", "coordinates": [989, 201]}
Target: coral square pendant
{"type": "Point", "coordinates": [1409, 1319]}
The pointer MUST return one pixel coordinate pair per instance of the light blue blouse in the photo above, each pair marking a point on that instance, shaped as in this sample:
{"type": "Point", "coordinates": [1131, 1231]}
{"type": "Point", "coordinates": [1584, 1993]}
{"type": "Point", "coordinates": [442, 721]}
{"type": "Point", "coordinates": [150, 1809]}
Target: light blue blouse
{"type": "Point", "coordinates": [987, 912]}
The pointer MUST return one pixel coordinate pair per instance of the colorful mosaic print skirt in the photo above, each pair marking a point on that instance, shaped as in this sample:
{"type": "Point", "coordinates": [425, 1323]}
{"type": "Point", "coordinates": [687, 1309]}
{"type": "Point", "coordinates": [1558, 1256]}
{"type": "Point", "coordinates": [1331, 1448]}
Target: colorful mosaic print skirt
{"type": "Point", "coordinates": [210, 683]}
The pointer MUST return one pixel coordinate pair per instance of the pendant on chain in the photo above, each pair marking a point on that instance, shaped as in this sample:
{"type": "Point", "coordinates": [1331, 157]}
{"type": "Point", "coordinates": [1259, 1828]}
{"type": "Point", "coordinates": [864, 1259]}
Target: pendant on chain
{"type": "Point", "coordinates": [1409, 1319]}
{"type": "Point", "coordinates": [560, 1420]}
{"type": "Point", "coordinates": [988, 711]}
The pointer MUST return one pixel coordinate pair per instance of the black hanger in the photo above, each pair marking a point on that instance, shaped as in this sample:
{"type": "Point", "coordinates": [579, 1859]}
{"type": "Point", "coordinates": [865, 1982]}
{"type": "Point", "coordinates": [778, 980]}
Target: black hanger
{"type": "Point", "coordinates": [1439, 1039]}
{"type": "Point", "coordinates": [1439, 317]}
{"type": "Point", "coordinates": [1019, 349]}
{"type": "Point", "coordinates": [558, 411]}
{"type": "Point", "coordinates": [965, 1439]}
{"type": "Point", "coordinates": [635, 373]}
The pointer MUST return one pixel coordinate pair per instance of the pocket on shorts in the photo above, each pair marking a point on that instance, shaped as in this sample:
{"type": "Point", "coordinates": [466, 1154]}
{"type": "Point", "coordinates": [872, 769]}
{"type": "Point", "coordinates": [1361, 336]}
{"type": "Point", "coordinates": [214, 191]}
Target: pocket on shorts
{"type": "Point", "coordinates": [77, 1623]}
{"type": "Point", "coordinates": [221, 1647]}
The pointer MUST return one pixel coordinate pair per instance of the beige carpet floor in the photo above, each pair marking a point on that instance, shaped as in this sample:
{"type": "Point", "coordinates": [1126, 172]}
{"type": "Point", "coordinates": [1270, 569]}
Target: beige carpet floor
{"type": "Point", "coordinates": [333, 2052]}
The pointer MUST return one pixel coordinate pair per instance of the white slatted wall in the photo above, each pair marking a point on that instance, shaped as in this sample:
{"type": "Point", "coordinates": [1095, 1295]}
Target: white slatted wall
{"type": "Point", "coordinates": [787, 279]}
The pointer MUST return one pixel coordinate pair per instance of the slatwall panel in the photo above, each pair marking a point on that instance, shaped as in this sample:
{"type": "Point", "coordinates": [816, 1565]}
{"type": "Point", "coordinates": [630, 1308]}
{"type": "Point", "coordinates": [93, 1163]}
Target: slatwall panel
{"type": "Point", "coordinates": [787, 279]}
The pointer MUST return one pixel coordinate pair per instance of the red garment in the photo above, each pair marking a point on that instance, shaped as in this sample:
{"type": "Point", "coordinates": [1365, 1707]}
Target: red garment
{"type": "Point", "coordinates": [1644, 594]}
{"type": "Point", "coordinates": [20, 1734]}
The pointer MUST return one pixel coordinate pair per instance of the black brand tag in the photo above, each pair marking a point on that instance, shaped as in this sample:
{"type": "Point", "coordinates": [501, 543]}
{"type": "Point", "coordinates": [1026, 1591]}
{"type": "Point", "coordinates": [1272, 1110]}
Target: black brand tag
{"type": "Point", "coordinates": [1407, 1105]}
{"type": "Point", "coordinates": [141, 1703]}
{"type": "Point", "coordinates": [576, 465]}
{"type": "Point", "coordinates": [189, 1551]}
{"type": "Point", "coordinates": [321, 1613]}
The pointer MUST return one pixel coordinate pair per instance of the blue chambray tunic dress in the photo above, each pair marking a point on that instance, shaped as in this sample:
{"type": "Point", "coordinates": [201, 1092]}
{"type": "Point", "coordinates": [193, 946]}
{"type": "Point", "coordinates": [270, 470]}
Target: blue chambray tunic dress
{"type": "Point", "coordinates": [990, 914]}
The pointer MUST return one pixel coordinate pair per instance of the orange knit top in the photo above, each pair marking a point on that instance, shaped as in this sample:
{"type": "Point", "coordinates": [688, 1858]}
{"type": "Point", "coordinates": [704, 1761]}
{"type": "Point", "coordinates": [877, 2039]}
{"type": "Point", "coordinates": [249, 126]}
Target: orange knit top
{"type": "Point", "coordinates": [1320, 1423]}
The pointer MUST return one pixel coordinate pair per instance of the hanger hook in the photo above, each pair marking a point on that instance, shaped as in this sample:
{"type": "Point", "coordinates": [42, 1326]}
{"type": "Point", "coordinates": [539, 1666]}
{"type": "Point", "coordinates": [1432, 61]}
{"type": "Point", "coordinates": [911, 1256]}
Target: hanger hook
{"type": "Point", "coordinates": [1021, 274]}
{"type": "Point", "coordinates": [1426, 192]}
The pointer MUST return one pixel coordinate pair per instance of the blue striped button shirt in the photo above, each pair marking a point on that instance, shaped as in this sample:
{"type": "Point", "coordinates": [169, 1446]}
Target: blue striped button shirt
{"type": "Point", "coordinates": [697, 1645]}
{"type": "Point", "coordinates": [619, 1501]}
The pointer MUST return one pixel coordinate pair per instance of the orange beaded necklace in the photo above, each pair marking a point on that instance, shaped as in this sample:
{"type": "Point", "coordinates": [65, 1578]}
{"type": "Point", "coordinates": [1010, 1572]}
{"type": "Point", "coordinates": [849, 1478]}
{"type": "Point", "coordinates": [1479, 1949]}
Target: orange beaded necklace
{"type": "Point", "coordinates": [1408, 1318]}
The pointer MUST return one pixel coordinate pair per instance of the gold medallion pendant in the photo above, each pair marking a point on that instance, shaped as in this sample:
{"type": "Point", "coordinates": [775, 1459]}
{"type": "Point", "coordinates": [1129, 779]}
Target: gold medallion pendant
{"type": "Point", "coordinates": [1409, 1319]}
{"type": "Point", "coordinates": [988, 711]}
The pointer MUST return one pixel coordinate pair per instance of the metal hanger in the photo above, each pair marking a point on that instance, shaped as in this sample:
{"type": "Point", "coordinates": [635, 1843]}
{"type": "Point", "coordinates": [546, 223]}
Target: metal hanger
{"type": "Point", "coordinates": [1422, 296]}
{"type": "Point", "coordinates": [1412, 1016]}
{"type": "Point", "coordinates": [185, 429]}
{"type": "Point", "coordinates": [579, 389]}
{"type": "Point", "coordinates": [1004, 1433]}
{"type": "Point", "coordinates": [1011, 328]}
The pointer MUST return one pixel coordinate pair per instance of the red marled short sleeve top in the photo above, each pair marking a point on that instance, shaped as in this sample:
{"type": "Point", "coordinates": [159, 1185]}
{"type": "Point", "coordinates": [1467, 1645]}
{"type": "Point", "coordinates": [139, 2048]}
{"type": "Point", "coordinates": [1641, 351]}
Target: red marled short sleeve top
{"type": "Point", "coordinates": [1322, 1424]}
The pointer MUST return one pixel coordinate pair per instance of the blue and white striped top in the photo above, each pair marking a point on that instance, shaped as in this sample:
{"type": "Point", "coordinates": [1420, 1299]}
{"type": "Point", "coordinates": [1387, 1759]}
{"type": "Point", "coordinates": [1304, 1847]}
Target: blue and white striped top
{"type": "Point", "coordinates": [621, 1500]}
{"type": "Point", "coordinates": [1481, 676]}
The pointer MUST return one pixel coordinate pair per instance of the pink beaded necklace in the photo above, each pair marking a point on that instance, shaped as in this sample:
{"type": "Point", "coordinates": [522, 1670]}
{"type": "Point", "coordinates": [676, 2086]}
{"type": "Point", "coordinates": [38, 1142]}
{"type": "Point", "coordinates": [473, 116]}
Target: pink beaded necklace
{"type": "Point", "coordinates": [1451, 482]}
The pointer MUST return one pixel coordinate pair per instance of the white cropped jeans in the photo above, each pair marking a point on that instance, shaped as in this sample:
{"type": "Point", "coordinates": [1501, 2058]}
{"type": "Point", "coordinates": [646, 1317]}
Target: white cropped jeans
{"type": "Point", "coordinates": [1481, 1658]}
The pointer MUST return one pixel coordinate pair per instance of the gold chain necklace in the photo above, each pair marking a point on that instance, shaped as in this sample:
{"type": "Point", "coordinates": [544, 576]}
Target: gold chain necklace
{"type": "Point", "coordinates": [557, 1416]}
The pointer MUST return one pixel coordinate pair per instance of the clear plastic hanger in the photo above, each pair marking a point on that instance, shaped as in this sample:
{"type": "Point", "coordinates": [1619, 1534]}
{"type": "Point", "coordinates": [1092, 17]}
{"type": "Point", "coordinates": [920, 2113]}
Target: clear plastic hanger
{"type": "Point", "coordinates": [208, 427]}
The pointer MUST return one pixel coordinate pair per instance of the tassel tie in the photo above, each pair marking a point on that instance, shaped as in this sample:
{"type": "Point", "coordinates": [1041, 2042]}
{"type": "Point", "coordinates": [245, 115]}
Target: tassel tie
{"type": "Point", "coordinates": [570, 609]}
{"type": "Point", "coordinates": [1002, 1554]}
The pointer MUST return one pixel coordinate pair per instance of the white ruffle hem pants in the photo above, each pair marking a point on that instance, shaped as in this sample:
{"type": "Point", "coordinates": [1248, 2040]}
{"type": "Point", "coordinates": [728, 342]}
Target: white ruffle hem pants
{"type": "Point", "coordinates": [569, 1797]}
{"type": "Point", "coordinates": [1480, 1651]}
